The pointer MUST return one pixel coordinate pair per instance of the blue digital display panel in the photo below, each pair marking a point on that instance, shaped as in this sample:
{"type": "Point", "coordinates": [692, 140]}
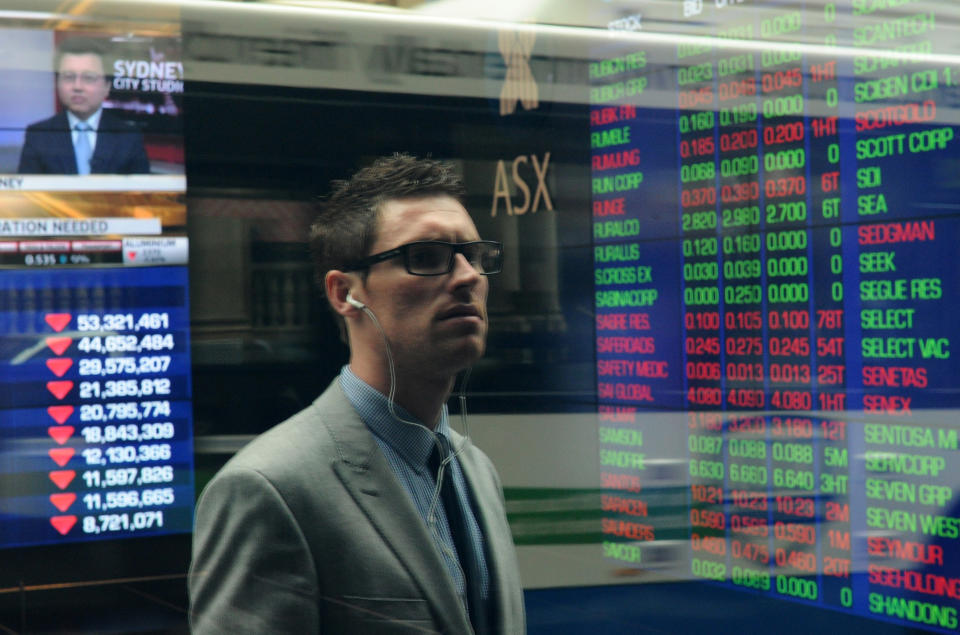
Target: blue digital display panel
{"type": "Point", "coordinates": [96, 434]}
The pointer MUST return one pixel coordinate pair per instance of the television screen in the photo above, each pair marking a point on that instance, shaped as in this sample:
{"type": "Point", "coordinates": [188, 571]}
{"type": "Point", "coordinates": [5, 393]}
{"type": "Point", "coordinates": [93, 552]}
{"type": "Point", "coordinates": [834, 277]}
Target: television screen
{"type": "Point", "coordinates": [96, 439]}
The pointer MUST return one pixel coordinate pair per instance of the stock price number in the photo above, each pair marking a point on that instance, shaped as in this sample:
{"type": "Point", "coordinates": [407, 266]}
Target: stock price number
{"type": "Point", "coordinates": [126, 343]}
{"type": "Point", "coordinates": [128, 454]}
{"type": "Point", "coordinates": [122, 322]}
{"type": "Point", "coordinates": [124, 411]}
{"type": "Point", "coordinates": [793, 479]}
{"type": "Point", "coordinates": [114, 388]}
{"type": "Point", "coordinates": [129, 499]}
{"type": "Point", "coordinates": [751, 578]}
{"type": "Point", "coordinates": [104, 367]}
{"type": "Point", "coordinates": [40, 260]}
{"type": "Point", "coordinates": [129, 432]}
{"type": "Point", "coordinates": [113, 523]}
{"type": "Point", "coordinates": [128, 476]}
{"type": "Point", "coordinates": [797, 587]}
{"type": "Point", "coordinates": [799, 560]}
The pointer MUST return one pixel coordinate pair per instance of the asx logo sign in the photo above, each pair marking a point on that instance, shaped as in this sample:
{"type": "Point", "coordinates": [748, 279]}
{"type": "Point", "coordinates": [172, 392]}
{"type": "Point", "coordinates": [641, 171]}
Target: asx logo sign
{"type": "Point", "coordinates": [501, 185]}
{"type": "Point", "coordinates": [519, 86]}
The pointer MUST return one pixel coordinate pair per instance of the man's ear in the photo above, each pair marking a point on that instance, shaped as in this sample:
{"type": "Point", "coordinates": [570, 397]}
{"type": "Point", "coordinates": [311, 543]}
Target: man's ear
{"type": "Point", "coordinates": [338, 285]}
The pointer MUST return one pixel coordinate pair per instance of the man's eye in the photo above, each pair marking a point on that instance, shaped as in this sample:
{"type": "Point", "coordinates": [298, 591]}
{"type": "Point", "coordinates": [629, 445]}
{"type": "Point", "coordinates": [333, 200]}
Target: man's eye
{"type": "Point", "coordinates": [472, 254]}
{"type": "Point", "coordinates": [427, 257]}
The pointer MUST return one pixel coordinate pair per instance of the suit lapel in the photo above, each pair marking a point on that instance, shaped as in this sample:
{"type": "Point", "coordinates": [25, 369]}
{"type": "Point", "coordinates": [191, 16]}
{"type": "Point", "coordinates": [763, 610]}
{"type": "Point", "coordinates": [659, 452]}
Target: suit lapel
{"type": "Point", "coordinates": [106, 144]}
{"type": "Point", "coordinates": [62, 142]}
{"type": "Point", "coordinates": [365, 473]}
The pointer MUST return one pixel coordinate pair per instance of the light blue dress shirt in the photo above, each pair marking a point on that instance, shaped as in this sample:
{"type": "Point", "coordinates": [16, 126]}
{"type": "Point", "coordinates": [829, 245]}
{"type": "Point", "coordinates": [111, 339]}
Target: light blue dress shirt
{"type": "Point", "coordinates": [407, 448]}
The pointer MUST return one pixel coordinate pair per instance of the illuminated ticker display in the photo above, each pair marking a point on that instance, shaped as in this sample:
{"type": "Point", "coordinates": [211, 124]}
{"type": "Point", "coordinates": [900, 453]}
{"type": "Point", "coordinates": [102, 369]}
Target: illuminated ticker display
{"type": "Point", "coordinates": [775, 257]}
{"type": "Point", "coordinates": [97, 434]}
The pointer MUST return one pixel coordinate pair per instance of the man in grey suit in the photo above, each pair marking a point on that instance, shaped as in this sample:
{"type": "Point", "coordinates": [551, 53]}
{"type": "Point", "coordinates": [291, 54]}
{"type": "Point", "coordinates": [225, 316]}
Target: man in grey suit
{"type": "Point", "coordinates": [365, 512]}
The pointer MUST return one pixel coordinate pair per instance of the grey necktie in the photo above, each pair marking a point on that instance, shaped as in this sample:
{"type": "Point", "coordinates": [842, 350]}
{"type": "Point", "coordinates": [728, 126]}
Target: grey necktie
{"type": "Point", "coordinates": [81, 149]}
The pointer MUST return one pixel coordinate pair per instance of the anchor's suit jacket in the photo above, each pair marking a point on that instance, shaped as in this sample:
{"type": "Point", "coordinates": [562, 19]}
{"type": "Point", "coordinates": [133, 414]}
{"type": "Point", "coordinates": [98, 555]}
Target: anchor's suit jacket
{"type": "Point", "coordinates": [307, 530]}
{"type": "Point", "coordinates": [48, 148]}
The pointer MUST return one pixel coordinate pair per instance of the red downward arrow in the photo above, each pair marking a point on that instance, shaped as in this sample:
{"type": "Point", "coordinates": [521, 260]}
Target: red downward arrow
{"type": "Point", "coordinates": [63, 524]}
{"type": "Point", "coordinates": [59, 388]}
{"type": "Point", "coordinates": [62, 478]}
{"type": "Point", "coordinates": [61, 456]}
{"type": "Point", "coordinates": [57, 321]}
{"type": "Point", "coordinates": [59, 365]}
{"type": "Point", "coordinates": [58, 344]}
{"type": "Point", "coordinates": [60, 434]}
{"type": "Point", "coordinates": [60, 413]}
{"type": "Point", "coordinates": [63, 501]}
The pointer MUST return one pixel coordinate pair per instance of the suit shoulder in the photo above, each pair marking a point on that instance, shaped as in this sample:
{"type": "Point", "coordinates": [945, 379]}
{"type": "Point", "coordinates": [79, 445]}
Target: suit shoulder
{"type": "Point", "coordinates": [291, 460]}
{"type": "Point", "coordinates": [56, 122]}
{"type": "Point", "coordinates": [477, 457]}
{"type": "Point", "coordinates": [284, 446]}
{"type": "Point", "coordinates": [111, 121]}
{"type": "Point", "coordinates": [470, 447]}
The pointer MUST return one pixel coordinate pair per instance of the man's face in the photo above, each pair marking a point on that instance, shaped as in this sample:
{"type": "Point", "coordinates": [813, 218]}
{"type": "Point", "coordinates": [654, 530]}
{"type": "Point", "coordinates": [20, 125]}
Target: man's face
{"type": "Point", "coordinates": [81, 84]}
{"type": "Point", "coordinates": [435, 324]}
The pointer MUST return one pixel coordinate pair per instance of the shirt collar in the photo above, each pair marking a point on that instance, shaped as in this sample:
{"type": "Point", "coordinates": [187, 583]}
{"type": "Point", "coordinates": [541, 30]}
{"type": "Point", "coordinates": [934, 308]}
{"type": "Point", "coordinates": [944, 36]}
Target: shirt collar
{"type": "Point", "coordinates": [93, 120]}
{"type": "Point", "coordinates": [413, 443]}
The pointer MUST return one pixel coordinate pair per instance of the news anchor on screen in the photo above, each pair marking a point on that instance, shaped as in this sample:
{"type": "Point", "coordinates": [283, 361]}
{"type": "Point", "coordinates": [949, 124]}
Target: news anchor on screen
{"type": "Point", "coordinates": [84, 138]}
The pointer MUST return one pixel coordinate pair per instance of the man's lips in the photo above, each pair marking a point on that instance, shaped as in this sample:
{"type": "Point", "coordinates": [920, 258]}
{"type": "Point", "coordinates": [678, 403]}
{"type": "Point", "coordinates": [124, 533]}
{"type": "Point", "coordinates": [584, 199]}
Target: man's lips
{"type": "Point", "coordinates": [460, 311]}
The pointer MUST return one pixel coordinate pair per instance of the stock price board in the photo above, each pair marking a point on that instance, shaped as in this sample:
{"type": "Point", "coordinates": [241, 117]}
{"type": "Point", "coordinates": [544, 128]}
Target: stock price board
{"type": "Point", "coordinates": [775, 230]}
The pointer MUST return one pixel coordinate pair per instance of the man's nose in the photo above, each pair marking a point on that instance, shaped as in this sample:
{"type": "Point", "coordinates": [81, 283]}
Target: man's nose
{"type": "Point", "coordinates": [463, 271]}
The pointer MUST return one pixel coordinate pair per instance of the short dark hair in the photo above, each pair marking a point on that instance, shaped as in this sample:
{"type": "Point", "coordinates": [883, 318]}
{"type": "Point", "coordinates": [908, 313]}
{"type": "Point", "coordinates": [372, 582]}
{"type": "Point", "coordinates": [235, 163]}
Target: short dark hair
{"type": "Point", "coordinates": [345, 228]}
{"type": "Point", "coordinates": [81, 46]}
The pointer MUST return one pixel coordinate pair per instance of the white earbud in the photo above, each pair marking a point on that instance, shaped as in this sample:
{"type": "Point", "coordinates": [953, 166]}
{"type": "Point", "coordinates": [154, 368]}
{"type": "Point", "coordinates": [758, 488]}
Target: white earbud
{"type": "Point", "coordinates": [352, 301]}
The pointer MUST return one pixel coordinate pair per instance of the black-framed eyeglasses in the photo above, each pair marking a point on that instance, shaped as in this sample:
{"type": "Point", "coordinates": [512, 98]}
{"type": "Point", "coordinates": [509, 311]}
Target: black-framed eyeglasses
{"type": "Point", "coordinates": [435, 257]}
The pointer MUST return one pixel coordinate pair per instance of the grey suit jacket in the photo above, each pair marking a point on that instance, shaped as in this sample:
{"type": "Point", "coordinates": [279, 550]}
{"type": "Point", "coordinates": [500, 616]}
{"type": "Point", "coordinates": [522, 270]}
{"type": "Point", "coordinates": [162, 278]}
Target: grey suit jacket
{"type": "Point", "coordinates": [307, 530]}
